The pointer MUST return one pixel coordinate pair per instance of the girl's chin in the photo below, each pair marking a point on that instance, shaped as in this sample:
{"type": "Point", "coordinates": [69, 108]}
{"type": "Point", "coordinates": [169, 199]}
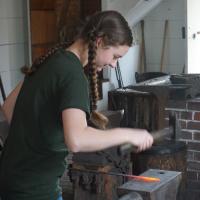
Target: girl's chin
{"type": "Point", "coordinates": [99, 69]}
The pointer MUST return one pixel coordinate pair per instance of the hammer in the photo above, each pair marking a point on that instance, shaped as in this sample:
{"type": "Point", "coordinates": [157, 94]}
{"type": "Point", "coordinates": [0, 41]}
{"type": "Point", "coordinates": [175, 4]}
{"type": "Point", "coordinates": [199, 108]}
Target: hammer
{"type": "Point", "coordinates": [172, 131]}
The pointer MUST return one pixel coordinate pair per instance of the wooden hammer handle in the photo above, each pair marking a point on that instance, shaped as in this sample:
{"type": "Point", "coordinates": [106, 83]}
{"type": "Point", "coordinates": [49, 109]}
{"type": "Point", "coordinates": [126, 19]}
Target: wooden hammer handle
{"type": "Point", "coordinates": [161, 134]}
{"type": "Point", "coordinates": [157, 135]}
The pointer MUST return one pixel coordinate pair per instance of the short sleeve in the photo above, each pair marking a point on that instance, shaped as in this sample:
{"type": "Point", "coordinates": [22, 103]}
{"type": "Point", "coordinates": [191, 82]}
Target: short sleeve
{"type": "Point", "coordinates": [74, 92]}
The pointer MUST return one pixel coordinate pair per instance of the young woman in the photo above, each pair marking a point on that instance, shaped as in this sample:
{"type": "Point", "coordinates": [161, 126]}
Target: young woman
{"type": "Point", "coordinates": [48, 111]}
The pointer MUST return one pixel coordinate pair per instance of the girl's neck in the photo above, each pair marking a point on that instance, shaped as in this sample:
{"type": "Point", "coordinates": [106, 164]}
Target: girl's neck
{"type": "Point", "coordinates": [80, 49]}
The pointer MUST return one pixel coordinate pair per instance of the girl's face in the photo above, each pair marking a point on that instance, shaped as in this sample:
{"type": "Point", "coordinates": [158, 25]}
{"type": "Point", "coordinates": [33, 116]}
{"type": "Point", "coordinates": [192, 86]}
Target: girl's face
{"type": "Point", "coordinates": [108, 55]}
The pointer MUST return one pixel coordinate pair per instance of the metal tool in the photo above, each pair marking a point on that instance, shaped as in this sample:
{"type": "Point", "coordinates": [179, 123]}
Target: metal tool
{"type": "Point", "coordinates": [138, 178]}
{"type": "Point", "coordinates": [119, 76]}
{"type": "Point", "coordinates": [166, 189]}
{"type": "Point", "coordinates": [171, 132]}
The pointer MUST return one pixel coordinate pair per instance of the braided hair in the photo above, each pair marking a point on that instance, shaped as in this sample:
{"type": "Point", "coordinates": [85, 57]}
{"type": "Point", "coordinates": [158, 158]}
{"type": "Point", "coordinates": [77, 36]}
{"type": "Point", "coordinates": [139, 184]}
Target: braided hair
{"type": "Point", "coordinates": [114, 30]}
{"type": "Point", "coordinates": [97, 119]}
{"type": "Point", "coordinates": [39, 61]}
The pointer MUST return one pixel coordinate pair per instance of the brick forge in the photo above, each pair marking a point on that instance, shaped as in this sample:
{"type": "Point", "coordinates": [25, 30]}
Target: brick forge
{"type": "Point", "coordinates": [188, 113]}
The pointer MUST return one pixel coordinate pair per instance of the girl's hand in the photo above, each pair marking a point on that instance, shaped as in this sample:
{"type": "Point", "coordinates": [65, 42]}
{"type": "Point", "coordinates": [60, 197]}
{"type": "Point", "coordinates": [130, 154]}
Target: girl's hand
{"type": "Point", "coordinates": [142, 139]}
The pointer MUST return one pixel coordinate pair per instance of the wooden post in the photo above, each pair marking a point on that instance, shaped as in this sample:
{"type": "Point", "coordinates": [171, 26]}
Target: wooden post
{"type": "Point", "coordinates": [143, 65]}
{"type": "Point", "coordinates": [164, 45]}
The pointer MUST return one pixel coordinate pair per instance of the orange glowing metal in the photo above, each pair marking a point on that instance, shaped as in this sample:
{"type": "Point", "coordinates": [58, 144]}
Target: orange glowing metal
{"type": "Point", "coordinates": [139, 178]}
{"type": "Point", "coordinates": [144, 178]}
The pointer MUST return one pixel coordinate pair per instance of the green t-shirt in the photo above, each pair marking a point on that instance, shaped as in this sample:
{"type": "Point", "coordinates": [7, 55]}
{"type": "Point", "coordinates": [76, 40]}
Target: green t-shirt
{"type": "Point", "coordinates": [33, 158]}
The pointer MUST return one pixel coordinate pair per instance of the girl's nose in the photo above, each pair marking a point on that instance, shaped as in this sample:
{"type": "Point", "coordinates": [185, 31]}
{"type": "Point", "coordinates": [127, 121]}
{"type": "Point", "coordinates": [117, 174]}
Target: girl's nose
{"type": "Point", "coordinates": [113, 64]}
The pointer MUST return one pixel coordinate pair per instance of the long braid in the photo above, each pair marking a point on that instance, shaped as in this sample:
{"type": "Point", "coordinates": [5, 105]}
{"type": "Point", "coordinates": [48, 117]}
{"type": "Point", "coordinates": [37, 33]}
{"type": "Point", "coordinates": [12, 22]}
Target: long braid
{"type": "Point", "coordinates": [92, 71]}
{"type": "Point", "coordinates": [39, 61]}
{"type": "Point", "coordinates": [97, 119]}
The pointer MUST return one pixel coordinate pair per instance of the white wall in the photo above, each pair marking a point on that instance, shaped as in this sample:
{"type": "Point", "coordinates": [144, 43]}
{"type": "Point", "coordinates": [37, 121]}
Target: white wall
{"type": "Point", "coordinates": [132, 10]}
{"type": "Point", "coordinates": [193, 36]}
{"type": "Point", "coordinates": [13, 42]}
{"type": "Point", "coordinates": [174, 61]}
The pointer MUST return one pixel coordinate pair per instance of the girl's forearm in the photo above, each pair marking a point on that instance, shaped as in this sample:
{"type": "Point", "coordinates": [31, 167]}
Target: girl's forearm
{"type": "Point", "coordinates": [94, 140]}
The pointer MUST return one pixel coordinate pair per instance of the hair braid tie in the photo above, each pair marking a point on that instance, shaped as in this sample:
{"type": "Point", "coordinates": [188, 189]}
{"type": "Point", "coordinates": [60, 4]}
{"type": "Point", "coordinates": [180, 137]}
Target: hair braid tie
{"type": "Point", "coordinates": [98, 120]}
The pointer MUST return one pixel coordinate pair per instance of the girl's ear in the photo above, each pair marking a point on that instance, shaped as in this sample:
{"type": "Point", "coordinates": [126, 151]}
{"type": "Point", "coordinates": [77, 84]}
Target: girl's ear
{"type": "Point", "coordinates": [99, 42]}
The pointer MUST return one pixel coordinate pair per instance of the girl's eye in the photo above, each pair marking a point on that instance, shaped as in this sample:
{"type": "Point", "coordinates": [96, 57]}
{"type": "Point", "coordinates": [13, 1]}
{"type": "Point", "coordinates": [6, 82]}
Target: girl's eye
{"type": "Point", "coordinates": [115, 57]}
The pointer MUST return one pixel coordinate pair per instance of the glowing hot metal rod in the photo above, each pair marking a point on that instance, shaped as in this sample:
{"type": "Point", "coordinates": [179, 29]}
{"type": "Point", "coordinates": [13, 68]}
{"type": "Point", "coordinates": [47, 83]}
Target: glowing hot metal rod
{"type": "Point", "coordinates": [138, 178]}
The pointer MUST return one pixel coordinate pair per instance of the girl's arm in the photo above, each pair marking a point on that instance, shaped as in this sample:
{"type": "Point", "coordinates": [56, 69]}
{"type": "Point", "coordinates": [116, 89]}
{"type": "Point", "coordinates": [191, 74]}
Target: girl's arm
{"type": "Point", "coordinates": [81, 138]}
{"type": "Point", "coordinates": [9, 103]}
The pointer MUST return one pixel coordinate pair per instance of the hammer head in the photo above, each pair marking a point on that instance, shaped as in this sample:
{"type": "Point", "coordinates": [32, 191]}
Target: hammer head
{"type": "Point", "coordinates": [175, 125]}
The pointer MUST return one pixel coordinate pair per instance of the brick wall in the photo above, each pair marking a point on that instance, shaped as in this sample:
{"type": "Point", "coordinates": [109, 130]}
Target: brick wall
{"type": "Point", "coordinates": [188, 113]}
